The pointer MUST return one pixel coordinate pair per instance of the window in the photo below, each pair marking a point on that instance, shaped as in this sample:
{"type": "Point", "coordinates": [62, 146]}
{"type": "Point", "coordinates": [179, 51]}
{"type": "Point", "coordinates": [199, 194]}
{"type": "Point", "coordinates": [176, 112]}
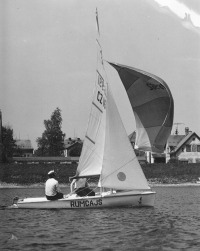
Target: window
{"type": "Point", "coordinates": [198, 148]}
{"type": "Point", "coordinates": [194, 147]}
{"type": "Point", "coordinates": [188, 148]}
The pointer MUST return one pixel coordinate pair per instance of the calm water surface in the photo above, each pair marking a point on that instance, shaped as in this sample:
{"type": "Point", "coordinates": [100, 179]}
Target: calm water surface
{"type": "Point", "coordinates": [172, 224]}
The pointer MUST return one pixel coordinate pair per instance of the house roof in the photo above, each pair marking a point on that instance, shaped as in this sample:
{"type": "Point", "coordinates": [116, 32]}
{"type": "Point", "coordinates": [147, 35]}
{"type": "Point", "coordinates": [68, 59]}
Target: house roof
{"type": "Point", "coordinates": [25, 144]}
{"type": "Point", "coordinates": [69, 142]}
{"type": "Point", "coordinates": [75, 143]}
{"type": "Point", "coordinates": [173, 140]}
{"type": "Point", "coordinates": [184, 140]}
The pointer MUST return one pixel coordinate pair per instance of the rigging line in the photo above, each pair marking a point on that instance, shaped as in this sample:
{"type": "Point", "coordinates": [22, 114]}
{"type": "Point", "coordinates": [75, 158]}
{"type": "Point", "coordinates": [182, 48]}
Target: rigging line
{"type": "Point", "coordinates": [119, 168]}
{"type": "Point", "coordinates": [98, 43]}
{"type": "Point", "coordinates": [94, 187]}
{"type": "Point", "coordinates": [83, 188]}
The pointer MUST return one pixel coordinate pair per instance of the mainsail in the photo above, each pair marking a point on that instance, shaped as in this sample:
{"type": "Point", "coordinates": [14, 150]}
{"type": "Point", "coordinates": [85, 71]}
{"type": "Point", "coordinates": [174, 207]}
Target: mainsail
{"type": "Point", "coordinates": [91, 159]}
{"type": "Point", "coordinates": [152, 104]}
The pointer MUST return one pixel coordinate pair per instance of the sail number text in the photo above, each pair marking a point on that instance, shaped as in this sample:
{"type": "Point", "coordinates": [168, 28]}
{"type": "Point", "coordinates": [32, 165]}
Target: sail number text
{"type": "Point", "coordinates": [100, 96]}
{"type": "Point", "coordinates": [101, 99]}
{"type": "Point", "coordinates": [154, 86]}
{"type": "Point", "coordinates": [86, 203]}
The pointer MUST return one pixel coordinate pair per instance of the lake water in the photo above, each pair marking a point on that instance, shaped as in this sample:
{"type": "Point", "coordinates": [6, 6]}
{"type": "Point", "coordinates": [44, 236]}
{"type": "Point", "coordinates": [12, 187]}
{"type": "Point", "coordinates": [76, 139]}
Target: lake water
{"type": "Point", "coordinates": [172, 224]}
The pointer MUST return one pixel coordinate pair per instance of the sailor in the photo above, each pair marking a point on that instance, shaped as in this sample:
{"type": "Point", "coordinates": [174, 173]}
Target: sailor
{"type": "Point", "coordinates": [52, 189]}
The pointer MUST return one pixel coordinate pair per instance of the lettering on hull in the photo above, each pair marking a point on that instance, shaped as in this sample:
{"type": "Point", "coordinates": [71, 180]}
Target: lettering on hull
{"type": "Point", "coordinates": [86, 203]}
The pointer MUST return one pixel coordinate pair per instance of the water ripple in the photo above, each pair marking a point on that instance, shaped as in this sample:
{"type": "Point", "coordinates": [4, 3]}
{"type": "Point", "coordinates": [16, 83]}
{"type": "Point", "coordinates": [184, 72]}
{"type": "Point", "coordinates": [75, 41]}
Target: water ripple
{"type": "Point", "coordinates": [173, 224]}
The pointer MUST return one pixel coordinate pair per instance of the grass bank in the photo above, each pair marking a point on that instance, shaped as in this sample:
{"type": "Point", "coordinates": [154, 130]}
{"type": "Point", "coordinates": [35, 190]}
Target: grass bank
{"type": "Point", "coordinates": [172, 173]}
{"type": "Point", "coordinates": [29, 174]}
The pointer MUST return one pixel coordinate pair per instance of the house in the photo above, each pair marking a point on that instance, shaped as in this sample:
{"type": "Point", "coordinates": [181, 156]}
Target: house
{"type": "Point", "coordinates": [184, 147]}
{"type": "Point", "coordinates": [72, 145]}
{"type": "Point", "coordinates": [23, 148]}
{"type": "Point", "coordinates": [179, 147]}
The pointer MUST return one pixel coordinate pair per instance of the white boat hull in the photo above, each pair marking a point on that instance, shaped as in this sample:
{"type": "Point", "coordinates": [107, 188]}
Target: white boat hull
{"type": "Point", "coordinates": [122, 199]}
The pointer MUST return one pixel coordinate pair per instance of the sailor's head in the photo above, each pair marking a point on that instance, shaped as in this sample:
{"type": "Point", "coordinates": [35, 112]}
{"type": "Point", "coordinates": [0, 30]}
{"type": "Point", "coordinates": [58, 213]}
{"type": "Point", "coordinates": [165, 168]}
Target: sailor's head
{"type": "Point", "coordinates": [51, 174]}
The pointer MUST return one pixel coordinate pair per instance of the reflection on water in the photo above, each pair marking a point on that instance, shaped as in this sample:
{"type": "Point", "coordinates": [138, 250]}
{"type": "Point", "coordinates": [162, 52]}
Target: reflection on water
{"type": "Point", "coordinates": [172, 224]}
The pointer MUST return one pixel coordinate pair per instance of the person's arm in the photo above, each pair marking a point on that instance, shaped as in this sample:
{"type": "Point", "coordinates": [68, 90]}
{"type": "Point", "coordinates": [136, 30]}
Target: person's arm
{"type": "Point", "coordinates": [57, 187]}
{"type": "Point", "coordinates": [72, 185]}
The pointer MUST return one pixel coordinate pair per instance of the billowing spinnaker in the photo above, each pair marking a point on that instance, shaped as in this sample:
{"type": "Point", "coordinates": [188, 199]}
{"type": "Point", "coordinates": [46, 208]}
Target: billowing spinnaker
{"type": "Point", "coordinates": [153, 107]}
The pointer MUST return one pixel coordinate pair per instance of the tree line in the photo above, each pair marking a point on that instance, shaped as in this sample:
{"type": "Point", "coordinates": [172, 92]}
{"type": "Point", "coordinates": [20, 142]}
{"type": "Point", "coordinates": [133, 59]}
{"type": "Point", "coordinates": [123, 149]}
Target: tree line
{"type": "Point", "coordinates": [51, 143]}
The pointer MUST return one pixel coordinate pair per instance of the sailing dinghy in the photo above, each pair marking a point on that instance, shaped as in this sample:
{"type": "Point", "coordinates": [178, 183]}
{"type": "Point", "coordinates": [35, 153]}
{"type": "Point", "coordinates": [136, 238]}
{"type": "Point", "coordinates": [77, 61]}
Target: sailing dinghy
{"type": "Point", "coordinates": [108, 154]}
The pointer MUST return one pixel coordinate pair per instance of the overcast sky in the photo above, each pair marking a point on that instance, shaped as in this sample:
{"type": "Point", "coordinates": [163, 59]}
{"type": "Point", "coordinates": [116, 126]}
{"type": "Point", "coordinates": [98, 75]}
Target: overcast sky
{"type": "Point", "coordinates": [48, 58]}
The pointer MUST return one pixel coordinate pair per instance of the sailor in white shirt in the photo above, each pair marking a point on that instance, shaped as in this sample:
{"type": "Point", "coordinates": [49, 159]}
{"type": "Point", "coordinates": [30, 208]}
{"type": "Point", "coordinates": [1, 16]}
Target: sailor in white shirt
{"type": "Point", "coordinates": [52, 189]}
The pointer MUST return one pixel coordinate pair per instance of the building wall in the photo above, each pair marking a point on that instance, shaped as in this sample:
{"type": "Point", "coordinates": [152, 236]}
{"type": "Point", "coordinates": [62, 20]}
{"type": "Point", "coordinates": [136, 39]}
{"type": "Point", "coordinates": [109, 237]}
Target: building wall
{"type": "Point", "coordinates": [149, 157]}
{"type": "Point", "coordinates": [194, 155]}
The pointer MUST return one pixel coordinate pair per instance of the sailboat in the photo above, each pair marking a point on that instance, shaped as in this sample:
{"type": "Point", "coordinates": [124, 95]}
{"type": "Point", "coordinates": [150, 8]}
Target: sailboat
{"type": "Point", "coordinates": [107, 153]}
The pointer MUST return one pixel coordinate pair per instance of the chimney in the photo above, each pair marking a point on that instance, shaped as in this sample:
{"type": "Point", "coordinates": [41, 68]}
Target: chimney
{"type": "Point", "coordinates": [186, 130]}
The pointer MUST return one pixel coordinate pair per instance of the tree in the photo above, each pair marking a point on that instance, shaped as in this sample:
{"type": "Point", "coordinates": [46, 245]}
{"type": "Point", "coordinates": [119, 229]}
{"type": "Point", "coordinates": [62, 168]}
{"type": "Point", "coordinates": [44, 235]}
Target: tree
{"type": "Point", "coordinates": [8, 143]}
{"type": "Point", "coordinates": [52, 141]}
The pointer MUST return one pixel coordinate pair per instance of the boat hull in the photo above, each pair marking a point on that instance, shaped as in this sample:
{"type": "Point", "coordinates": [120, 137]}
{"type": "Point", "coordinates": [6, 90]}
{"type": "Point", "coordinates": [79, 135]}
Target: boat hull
{"type": "Point", "coordinates": [124, 199]}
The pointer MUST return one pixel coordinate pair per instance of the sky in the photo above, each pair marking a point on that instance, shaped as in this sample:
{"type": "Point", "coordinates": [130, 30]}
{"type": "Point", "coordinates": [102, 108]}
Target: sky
{"type": "Point", "coordinates": [48, 59]}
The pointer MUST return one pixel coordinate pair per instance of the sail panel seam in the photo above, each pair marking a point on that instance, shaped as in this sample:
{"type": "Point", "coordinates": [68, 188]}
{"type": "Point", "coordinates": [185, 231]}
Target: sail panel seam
{"type": "Point", "coordinates": [150, 101]}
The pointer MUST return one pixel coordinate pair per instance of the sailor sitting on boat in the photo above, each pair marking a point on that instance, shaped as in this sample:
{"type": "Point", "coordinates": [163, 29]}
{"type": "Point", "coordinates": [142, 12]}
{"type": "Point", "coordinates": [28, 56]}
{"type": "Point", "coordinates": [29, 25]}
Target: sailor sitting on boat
{"type": "Point", "coordinates": [80, 187]}
{"type": "Point", "coordinates": [52, 189]}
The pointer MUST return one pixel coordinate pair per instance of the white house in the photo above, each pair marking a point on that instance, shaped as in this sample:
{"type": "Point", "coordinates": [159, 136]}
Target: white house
{"type": "Point", "coordinates": [179, 147]}
{"type": "Point", "coordinates": [186, 149]}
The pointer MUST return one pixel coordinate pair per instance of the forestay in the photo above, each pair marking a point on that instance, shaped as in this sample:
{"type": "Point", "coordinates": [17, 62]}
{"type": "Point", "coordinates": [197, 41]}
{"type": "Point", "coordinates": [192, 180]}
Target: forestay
{"type": "Point", "coordinates": [153, 107]}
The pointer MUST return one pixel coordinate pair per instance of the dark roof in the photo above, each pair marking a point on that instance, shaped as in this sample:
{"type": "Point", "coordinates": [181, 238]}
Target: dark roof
{"type": "Point", "coordinates": [173, 140]}
{"type": "Point", "coordinates": [69, 142]}
{"type": "Point", "coordinates": [75, 143]}
{"type": "Point", "coordinates": [24, 144]}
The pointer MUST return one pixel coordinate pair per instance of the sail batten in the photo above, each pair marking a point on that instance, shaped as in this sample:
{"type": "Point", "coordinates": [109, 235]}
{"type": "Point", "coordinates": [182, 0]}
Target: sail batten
{"type": "Point", "coordinates": [97, 107]}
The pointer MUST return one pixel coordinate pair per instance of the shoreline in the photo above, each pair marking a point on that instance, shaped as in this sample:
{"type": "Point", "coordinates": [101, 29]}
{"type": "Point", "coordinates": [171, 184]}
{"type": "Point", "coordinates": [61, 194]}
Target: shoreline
{"type": "Point", "coordinates": [184, 184]}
